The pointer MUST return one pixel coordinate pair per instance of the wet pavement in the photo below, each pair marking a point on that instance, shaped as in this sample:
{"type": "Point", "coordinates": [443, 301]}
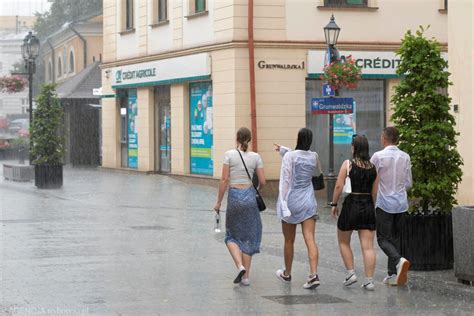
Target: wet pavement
{"type": "Point", "coordinates": [115, 243]}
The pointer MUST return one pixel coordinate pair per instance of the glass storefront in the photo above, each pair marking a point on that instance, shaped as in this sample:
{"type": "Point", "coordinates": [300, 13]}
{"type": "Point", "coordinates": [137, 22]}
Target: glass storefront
{"type": "Point", "coordinates": [368, 119]}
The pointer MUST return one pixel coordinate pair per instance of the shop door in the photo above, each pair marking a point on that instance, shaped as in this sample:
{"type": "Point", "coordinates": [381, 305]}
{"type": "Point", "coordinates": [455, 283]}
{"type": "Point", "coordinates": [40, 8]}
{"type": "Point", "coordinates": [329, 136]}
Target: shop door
{"type": "Point", "coordinates": [163, 135]}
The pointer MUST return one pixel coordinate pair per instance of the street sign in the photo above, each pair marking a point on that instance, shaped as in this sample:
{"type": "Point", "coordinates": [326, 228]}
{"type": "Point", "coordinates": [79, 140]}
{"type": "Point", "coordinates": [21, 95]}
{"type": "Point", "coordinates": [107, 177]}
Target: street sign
{"type": "Point", "coordinates": [328, 91]}
{"type": "Point", "coordinates": [332, 105]}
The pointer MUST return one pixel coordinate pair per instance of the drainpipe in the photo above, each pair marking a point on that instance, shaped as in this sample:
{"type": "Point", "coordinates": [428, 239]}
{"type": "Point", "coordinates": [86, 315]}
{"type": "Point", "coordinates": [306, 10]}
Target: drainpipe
{"type": "Point", "coordinates": [53, 62]}
{"type": "Point", "coordinates": [253, 103]}
{"type": "Point", "coordinates": [84, 42]}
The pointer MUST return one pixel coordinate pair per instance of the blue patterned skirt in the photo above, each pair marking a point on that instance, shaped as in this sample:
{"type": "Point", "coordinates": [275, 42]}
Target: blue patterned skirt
{"type": "Point", "coordinates": [242, 220]}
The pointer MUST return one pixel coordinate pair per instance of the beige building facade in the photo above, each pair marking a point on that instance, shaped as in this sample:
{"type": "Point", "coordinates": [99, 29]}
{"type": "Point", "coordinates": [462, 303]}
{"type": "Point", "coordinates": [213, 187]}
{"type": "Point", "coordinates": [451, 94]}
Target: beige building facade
{"type": "Point", "coordinates": [461, 66]}
{"type": "Point", "coordinates": [71, 49]}
{"type": "Point", "coordinates": [177, 84]}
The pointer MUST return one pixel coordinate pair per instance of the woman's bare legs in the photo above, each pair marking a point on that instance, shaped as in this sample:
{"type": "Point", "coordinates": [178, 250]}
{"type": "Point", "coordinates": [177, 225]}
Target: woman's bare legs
{"type": "Point", "coordinates": [344, 239]}
{"type": "Point", "coordinates": [247, 262]}
{"type": "Point", "coordinates": [235, 253]}
{"type": "Point", "coordinates": [309, 227]}
{"type": "Point", "coordinates": [367, 245]}
{"type": "Point", "coordinates": [289, 232]}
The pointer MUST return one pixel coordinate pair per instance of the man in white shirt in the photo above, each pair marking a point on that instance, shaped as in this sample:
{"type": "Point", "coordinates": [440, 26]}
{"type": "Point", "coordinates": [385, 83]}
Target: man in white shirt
{"type": "Point", "coordinates": [394, 171]}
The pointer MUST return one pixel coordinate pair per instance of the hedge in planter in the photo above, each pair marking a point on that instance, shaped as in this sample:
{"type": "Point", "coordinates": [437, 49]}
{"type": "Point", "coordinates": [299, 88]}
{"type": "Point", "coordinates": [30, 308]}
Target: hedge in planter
{"type": "Point", "coordinates": [427, 134]}
{"type": "Point", "coordinates": [47, 144]}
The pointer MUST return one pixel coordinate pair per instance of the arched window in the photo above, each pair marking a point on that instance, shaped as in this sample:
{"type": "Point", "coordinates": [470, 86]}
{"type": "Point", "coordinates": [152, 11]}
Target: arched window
{"type": "Point", "coordinates": [50, 71]}
{"type": "Point", "coordinates": [60, 67]}
{"type": "Point", "coordinates": [71, 62]}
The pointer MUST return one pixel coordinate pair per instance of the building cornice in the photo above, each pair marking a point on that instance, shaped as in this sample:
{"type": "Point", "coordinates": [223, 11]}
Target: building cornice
{"type": "Point", "coordinates": [347, 45]}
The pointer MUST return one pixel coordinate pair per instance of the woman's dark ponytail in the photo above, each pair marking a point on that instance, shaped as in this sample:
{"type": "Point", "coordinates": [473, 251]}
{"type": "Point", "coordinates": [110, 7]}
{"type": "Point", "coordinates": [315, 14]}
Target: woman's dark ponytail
{"type": "Point", "coordinates": [244, 136]}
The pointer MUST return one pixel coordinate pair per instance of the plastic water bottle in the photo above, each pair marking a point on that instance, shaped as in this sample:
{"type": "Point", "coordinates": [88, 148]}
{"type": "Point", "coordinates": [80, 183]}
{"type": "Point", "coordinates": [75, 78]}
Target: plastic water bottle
{"type": "Point", "coordinates": [217, 228]}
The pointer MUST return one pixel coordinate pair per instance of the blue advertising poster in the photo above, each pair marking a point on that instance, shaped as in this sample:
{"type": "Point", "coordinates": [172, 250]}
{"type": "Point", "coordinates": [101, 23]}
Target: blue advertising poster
{"type": "Point", "coordinates": [132, 129]}
{"type": "Point", "coordinates": [201, 128]}
{"type": "Point", "coordinates": [344, 127]}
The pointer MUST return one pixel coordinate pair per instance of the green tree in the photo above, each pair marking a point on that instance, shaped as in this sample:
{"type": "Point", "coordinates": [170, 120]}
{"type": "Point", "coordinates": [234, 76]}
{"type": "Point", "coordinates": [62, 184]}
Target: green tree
{"type": "Point", "coordinates": [422, 115]}
{"type": "Point", "coordinates": [64, 11]}
{"type": "Point", "coordinates": [47, 143]}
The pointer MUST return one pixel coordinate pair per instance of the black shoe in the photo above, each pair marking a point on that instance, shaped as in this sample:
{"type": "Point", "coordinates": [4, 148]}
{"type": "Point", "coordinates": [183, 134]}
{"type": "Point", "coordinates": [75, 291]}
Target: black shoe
{"type": "Point", "coordinates": [242, 271]}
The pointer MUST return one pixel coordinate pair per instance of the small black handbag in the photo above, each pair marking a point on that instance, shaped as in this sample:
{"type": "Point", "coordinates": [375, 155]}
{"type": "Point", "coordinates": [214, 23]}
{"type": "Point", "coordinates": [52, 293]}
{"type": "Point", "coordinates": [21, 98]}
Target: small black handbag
{"type": "Point", "coordinates": [260, 202]}
{"type": "Point", "coordinates": [318, 181]}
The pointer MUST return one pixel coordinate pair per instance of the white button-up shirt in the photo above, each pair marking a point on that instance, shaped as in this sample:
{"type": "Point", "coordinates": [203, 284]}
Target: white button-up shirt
{"type": "Point", "coordinates": [394, 171]}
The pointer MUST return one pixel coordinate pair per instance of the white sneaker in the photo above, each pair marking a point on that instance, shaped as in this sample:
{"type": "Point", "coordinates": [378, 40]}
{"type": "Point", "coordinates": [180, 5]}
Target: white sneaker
{"type": "Point", "coordinates": [402, 271]}
{"type": "Point", "coordinates": [312, 283]}
{"type": "Point", "coordinates": [245, 282]}
{"type": "Point", "coordinates": [390, 279]}
{"type": "Point", "coordinates": [280, 273]}
{"type": "Point", "coordinates": [351, 278]}
{"type": "Point", "coordinates": [368, 285]}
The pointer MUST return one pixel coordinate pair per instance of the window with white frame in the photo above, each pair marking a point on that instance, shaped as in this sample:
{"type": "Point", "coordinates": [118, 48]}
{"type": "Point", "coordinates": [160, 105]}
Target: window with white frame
{"type": "Point", "coordinates": [197, 6]}
{"type": "Point", "coordinates": [129, 23]}
{"type": "Point", "coordinates": [162, 10]}
{"type": "Point", "coordinates": [345, 3]}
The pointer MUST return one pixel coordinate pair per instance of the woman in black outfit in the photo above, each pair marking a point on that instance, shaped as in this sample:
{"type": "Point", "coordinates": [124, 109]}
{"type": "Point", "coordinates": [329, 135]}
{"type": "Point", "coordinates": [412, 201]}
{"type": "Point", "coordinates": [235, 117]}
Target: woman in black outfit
{"type": "Point", "coordinates": [358, 210]}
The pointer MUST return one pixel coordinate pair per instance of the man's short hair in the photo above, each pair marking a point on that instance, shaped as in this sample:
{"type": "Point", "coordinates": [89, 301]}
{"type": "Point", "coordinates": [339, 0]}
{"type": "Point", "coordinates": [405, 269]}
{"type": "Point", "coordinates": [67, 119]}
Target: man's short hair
{"type": "Point", "coordinates": [390, 134]}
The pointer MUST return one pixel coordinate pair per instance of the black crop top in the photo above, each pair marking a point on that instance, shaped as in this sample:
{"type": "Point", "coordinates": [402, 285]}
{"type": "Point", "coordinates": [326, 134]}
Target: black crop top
{"type": "Point", "coordinates": [362, 179]}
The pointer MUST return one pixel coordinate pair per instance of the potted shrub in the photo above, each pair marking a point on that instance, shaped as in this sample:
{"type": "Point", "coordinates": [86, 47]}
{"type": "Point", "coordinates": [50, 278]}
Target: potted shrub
{"type": "Point", "coordinates": [421, 113]}
{"type": "Point", "coordinates": [46, 143]}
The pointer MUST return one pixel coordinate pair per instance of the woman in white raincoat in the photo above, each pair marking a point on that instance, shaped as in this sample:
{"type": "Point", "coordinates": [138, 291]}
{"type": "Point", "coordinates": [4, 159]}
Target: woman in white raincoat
{"type": "Point", "coordinates": [297, 204]}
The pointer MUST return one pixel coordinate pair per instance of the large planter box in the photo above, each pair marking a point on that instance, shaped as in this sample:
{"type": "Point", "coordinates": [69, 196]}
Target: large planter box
{"type": "Point", "coordinates": [463, 235]}
{"type": "Point", "coordinates": [18, 172]}
{"type": "Point", "coordinates": [427, 241]}
{"type": "Point", "coordinates": [48, 176]}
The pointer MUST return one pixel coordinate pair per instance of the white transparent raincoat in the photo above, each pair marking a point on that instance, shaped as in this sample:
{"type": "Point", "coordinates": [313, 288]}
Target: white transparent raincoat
{"type": "Point", "coordinates": [296, 201]}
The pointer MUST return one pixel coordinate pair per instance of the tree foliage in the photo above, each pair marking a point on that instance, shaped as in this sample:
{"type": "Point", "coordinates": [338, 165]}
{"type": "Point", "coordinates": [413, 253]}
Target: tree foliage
{"type": "Point", "coordinates": [422, 115]}
{"type": "Point", "coordinates": [47, 143]}
{"type": "Point", "coordinates": [64, 11]}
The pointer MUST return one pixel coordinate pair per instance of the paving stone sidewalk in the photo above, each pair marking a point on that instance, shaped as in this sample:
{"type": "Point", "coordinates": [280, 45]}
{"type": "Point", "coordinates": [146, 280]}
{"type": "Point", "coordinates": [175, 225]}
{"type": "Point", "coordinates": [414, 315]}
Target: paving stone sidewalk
{"type": "Point", "coordinates": [113, 243]}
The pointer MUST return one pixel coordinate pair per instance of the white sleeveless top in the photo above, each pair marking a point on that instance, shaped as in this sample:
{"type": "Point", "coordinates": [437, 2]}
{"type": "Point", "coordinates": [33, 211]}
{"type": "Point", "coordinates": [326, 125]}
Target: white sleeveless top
{"type": "Point", "coordinates": [238, 175]}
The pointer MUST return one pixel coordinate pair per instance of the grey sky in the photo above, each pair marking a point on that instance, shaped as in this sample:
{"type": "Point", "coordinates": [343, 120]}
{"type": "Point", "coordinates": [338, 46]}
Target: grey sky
{"type": "Point", "coordinates": [22, 7]}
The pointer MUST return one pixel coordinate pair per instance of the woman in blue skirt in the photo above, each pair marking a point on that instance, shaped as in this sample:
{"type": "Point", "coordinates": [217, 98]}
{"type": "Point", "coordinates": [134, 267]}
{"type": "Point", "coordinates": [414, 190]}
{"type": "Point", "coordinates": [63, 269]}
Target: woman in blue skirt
{"type": "Point", "coordinates": [242, 222]}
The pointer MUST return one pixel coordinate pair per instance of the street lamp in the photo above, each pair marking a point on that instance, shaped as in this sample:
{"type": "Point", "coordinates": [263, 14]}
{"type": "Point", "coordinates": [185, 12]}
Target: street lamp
{"type": "Point", "coordinates": [30, 51]}
{"type": "Point", "coordinates": [331, 33]}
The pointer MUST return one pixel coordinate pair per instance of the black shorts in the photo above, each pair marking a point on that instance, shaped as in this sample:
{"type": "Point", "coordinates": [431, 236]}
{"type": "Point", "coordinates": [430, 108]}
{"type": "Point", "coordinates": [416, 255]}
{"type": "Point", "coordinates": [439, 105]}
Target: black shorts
{"type": "Point", "coordinates": [358, 212]}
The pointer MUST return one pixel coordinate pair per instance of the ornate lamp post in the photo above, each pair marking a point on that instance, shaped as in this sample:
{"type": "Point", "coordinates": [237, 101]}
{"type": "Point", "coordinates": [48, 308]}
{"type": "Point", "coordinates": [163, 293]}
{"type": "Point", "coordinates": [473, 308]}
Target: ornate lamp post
{"type": "Point", "coordinates": [331, 33]}
{"type": "Point", "coordinates": [30, 51]}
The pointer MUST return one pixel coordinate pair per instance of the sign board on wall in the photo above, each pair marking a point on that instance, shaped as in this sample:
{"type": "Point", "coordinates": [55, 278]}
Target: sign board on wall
{"type": "Point", "coordinates": [132, 129]}
{"type": "Point", "coordinates": [201, 128]}
{"type": "Point", "coordinates": [192, 67]}
{"type": "Point", "coordinates": [373, 63]}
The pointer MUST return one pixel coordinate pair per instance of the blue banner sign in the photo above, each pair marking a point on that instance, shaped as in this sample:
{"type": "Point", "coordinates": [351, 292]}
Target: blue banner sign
{"type": "Point", "coordinates": [201, 128]}
{"type": "Point", "coordinates": [132, 129]}
{"type": "Point", "coordinates": [344, 127]}
{"type": "Point", "coordinates": [332, 105]}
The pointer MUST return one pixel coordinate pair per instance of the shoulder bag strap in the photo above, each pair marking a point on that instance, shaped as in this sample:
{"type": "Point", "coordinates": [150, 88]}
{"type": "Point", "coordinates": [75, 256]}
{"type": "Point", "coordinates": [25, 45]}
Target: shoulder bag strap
{"type": "Point", "coordinates": [246, 170]}
{"type": "Point", "coordinates": [319, 164]}
{"type": "Point", "coordinates": [348, 167]}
